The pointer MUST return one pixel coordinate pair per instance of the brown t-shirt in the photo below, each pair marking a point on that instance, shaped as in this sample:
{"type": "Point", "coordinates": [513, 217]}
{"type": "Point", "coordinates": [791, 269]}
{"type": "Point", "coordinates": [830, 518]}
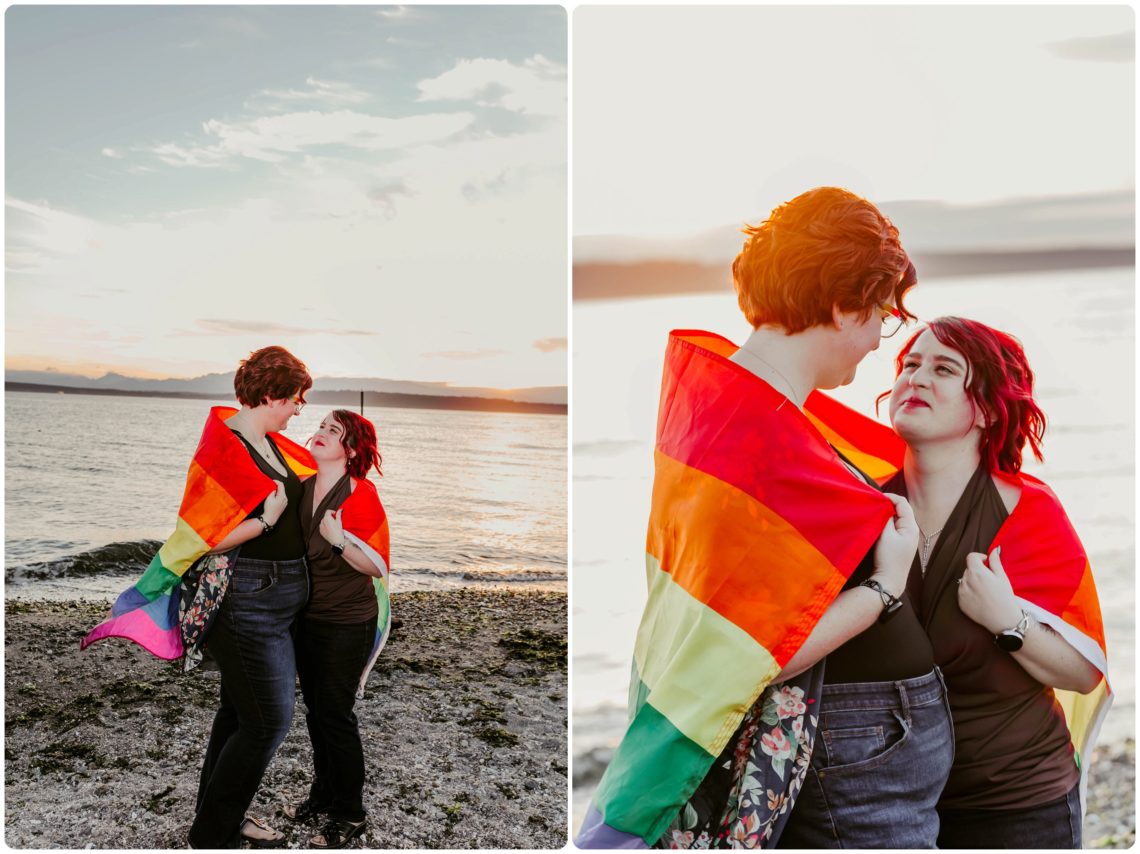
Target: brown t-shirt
{"type": "Point", "coordinates": [1012, 747]}
{"type": "Point", "coordinates": [337, 593]}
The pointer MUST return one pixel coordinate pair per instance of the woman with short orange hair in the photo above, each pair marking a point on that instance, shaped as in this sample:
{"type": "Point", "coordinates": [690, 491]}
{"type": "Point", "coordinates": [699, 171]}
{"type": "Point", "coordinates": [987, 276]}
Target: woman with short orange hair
{"type": "Point", "coordinates": [767, 552]}
{"type": "Point", "coordinates": [250, 637]}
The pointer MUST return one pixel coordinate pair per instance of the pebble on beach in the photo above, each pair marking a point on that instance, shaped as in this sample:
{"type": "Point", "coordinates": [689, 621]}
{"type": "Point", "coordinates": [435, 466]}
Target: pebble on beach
{"type": "Point", "coordinates": [463, 722]}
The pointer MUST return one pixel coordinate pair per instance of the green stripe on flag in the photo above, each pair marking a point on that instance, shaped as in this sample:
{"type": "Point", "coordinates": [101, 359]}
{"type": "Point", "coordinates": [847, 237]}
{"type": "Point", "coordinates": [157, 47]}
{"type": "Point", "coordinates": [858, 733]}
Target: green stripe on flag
{"type": "Point", "coordinates": [156, 580]}
{"type": "Point", "coordinates": [654, 771]}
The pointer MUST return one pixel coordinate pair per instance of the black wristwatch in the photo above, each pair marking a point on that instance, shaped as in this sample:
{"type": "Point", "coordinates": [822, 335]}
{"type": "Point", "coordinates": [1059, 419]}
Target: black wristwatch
{"type": "Point", "coordinates": [268, 528]}
{"type": "Point", "coordinates": [891, 604]}
{"type": "Point", "coordinates": [1011, 640]}
{"type": "Point", "coordinates": [337, 550]}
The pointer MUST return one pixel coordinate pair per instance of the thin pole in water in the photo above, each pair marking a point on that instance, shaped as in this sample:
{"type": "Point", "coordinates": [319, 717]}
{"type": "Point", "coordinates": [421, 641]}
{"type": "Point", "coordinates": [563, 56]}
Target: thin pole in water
{"type": "Point", "coordinates": [362, 401]}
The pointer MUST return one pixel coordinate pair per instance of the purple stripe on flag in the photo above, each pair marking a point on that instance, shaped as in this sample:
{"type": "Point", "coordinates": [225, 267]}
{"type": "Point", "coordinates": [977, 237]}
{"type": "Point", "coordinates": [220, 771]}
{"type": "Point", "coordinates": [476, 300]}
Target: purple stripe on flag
{"type": "Point", "coordinates": [595, 833]}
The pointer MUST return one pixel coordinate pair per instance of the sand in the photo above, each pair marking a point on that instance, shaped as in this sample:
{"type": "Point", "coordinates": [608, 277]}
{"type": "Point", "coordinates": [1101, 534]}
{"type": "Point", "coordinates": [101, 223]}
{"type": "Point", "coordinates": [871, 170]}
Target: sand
{"type": "Point", "coordinates": [464, 724]}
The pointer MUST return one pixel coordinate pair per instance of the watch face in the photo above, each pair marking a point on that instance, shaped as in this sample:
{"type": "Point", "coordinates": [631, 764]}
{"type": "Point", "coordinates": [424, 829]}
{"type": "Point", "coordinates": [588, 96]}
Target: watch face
{"type": "Point", "coordinates": [1009, 641]}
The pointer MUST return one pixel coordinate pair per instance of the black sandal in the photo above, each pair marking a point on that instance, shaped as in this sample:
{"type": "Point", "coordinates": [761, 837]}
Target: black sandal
{"type": "Point", "coordinates": [267, 838]}
{"type": "Point", "coordinates": [337, 833]}
{"type": "Point", "coordinates": [302, 812]}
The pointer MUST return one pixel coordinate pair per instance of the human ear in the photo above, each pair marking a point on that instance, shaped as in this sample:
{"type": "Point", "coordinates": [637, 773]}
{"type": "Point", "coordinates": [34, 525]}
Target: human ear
{"type": "Point", "coordinates": [837, 317]}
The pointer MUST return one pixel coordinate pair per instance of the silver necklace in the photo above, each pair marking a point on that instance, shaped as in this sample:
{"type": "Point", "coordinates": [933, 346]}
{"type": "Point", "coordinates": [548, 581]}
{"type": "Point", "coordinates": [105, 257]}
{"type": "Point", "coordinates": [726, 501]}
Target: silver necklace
{"type": "Point", "coordinates": [779, 373]}
{"type": "Point", "coordinates": [927, 542]}
{"type": "Point", "coordinates": [265, 451]}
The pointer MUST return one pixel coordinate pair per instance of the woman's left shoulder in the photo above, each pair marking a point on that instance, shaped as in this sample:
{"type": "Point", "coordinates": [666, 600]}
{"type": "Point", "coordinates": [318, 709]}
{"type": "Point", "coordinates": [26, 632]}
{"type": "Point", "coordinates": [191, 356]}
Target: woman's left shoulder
{"type": "Point", "coordinates": [1025, 489]}
{"type": "Point", "coordinates": [1009, 488]}
{"type": "Point", "coordinates": [362, 489]}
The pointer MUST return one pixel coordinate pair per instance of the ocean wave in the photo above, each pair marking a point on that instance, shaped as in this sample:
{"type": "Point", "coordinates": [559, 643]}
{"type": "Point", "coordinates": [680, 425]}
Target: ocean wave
{"type": "Point", "coordinates": [113, 559]}
{"type": "Point", "coordinates": [518, 575]}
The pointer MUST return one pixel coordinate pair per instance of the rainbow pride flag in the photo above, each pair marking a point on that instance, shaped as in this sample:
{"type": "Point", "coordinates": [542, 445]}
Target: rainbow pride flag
{"type": "Point", "coordinates": [754, 528]}
{"type": "Point", "coordinates": [223, 486]}
{"type": "Point", "coordinates": [366, 524]}
{"type": "Point", "coordinates": [1040, 552]}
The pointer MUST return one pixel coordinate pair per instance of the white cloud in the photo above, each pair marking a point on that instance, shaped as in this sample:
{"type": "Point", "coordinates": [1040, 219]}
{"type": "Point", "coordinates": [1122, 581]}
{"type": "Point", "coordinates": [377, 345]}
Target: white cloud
{"type": "Point", "coordinates": [329, 92]}
{"type": "Point", "coordinates": [402, 13]}
{"type": "Point", "coordinates": [272, 138]}
{"type": "Point", "coordinates": [40, 227]}
{"type": "Point", "coordinates": [112, 152]}
{"type": "Point", "coordinates": [398, 41]}
{"type": "Point", "coordinates": [537, 87]}
{"type": "Point", "coordinates": [177, 155]}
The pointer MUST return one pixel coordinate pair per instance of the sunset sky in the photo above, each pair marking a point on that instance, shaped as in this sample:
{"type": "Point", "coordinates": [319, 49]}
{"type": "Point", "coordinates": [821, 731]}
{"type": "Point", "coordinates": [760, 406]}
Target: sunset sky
{"type": "Point", "coordinates": [381, 190]}
{"type": "Point", "coordinates": [687, 119]}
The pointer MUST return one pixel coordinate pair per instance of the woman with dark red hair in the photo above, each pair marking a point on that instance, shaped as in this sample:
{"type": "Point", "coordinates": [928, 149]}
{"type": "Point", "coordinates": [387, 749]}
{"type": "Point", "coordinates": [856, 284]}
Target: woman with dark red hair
{"type": "Point", "coordinates": [1007, 631]}
{"type": "Point", "coordinates": [346, 621]}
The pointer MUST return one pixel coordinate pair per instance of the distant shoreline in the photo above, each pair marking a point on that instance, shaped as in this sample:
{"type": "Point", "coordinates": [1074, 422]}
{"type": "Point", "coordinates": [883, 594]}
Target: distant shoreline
{"type": "Point", "coordinates": [606, 280]}
{"type": "Point", "coordinates": [340, 397]}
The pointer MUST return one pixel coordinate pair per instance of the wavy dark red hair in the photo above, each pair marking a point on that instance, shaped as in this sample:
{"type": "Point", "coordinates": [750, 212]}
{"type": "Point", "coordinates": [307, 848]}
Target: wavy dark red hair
{"type": "Point", "coordinates": [360, 437]}
{"type": "Point", "coordinates": [271, 373]}
{"type": "Point", "coordinates": [826, 247]}
{"type": "Point", "coordinates": [999, 383]}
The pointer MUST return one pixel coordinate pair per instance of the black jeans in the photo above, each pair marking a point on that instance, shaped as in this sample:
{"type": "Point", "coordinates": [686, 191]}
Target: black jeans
{"type": "Point", "coordinates": [251, 640]}
{"type": "Point", "coordinates": [330, 659]}
{"type": "Point", "coordinates": [1056, 824]}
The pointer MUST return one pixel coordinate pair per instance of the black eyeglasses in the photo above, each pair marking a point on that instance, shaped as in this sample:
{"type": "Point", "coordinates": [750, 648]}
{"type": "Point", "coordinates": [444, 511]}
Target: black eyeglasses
{"type": "Point", "coordinates": [892, 320]}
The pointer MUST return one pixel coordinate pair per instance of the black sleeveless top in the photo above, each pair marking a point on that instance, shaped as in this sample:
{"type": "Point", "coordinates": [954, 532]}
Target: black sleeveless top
{"type": "Point", "coordinates": [896, 649]}
{"type": "Point", "coordinates": [1012, 746]}
{"type": "Point", "coordinates": [337, 592]}
{"type": "Point", "coordinates": [287, 542]}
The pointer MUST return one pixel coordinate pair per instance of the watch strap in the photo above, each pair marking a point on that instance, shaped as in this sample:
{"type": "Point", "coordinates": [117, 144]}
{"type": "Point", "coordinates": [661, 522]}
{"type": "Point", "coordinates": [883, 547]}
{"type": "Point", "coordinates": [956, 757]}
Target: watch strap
{"type": "Point", "coordinates": [891, 603]}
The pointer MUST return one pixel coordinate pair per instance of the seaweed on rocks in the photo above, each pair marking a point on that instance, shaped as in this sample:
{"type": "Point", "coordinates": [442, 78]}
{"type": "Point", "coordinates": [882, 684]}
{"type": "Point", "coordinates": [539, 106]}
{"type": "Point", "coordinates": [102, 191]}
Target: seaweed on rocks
{"type": "Point", "coordinates": [444, 725]}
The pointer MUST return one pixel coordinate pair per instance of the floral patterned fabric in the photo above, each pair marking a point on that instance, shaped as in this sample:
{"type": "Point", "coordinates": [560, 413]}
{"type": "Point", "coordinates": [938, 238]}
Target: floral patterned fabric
{"type": "Point", "coordinates": [748, 794]}
{"type": "Point", "coordinates": [203, 588]}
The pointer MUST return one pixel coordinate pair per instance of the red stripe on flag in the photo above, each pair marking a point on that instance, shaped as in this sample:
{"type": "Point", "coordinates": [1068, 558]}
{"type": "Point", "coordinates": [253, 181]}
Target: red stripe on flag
{"type": "Point", "coordinates": [710, 409]}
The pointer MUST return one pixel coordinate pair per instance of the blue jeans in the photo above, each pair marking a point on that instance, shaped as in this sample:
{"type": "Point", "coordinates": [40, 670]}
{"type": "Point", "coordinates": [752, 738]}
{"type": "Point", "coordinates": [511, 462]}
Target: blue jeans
{"type": "Point", "coordinates": [1056, 824]}
{"type": "Point", "coordinates": [882, 755]}
{"type": "Point", "coordinates": [330, 659]}
{"type": "Point", "coordinates": [251, 641]}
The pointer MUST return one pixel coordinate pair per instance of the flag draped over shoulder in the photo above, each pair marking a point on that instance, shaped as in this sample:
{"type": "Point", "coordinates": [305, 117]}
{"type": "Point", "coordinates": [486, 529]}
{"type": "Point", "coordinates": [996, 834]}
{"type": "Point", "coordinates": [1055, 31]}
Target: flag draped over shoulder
{"type": "Point", "coordinates": [223, 486]}
{"type": "Point", "coordinates": [366, 524]}
{"type": "Point", "coordinates": [754, 528]}
{"type": "Point", "coordinates": [1041, 553]}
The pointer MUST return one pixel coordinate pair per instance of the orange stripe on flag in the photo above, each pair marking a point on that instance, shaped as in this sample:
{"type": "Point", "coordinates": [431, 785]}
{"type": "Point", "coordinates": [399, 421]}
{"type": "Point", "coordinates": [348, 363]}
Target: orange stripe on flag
{"type": "Point", "coordinates": [207, 507]}
{"type": "Point", "coordinates": [726, 571]}
{"type": "Point", "coordinates": [1083, 611]}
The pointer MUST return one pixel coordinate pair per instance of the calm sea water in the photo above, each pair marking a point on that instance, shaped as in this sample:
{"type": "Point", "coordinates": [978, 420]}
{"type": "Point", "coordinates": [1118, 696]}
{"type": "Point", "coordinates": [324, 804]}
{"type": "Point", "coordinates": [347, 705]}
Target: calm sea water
{"type": "Point", "coordinates": [1077, 328]}
{"type": "Point", "coordinates": [473, 498]}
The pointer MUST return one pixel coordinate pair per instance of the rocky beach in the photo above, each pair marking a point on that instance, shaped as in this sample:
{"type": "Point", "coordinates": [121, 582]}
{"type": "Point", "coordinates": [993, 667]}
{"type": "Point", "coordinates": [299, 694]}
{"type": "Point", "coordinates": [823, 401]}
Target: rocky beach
{"type": "Point", "coordinates": [463, 721]}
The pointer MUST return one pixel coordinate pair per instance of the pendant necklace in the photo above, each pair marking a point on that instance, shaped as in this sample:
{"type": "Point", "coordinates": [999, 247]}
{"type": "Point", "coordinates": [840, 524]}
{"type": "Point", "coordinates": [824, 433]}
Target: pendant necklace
{"type": "Point", "coordinates": [779, 373]}
{"type": "Point", "coordinates": [924, 550]}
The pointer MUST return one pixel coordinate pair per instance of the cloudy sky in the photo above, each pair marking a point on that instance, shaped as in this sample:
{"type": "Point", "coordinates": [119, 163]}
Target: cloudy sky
{"type": "Point", "coordinates": [382, 190]}
{"type": "Point", "coordinates": [727, 111]}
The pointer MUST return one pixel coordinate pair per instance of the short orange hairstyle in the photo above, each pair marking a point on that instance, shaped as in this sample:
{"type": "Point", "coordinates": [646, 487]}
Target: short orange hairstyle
{"type": "Point", "coordinates": [271, 373]}
{"type": "Point", "coordinates": [825, 247]}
